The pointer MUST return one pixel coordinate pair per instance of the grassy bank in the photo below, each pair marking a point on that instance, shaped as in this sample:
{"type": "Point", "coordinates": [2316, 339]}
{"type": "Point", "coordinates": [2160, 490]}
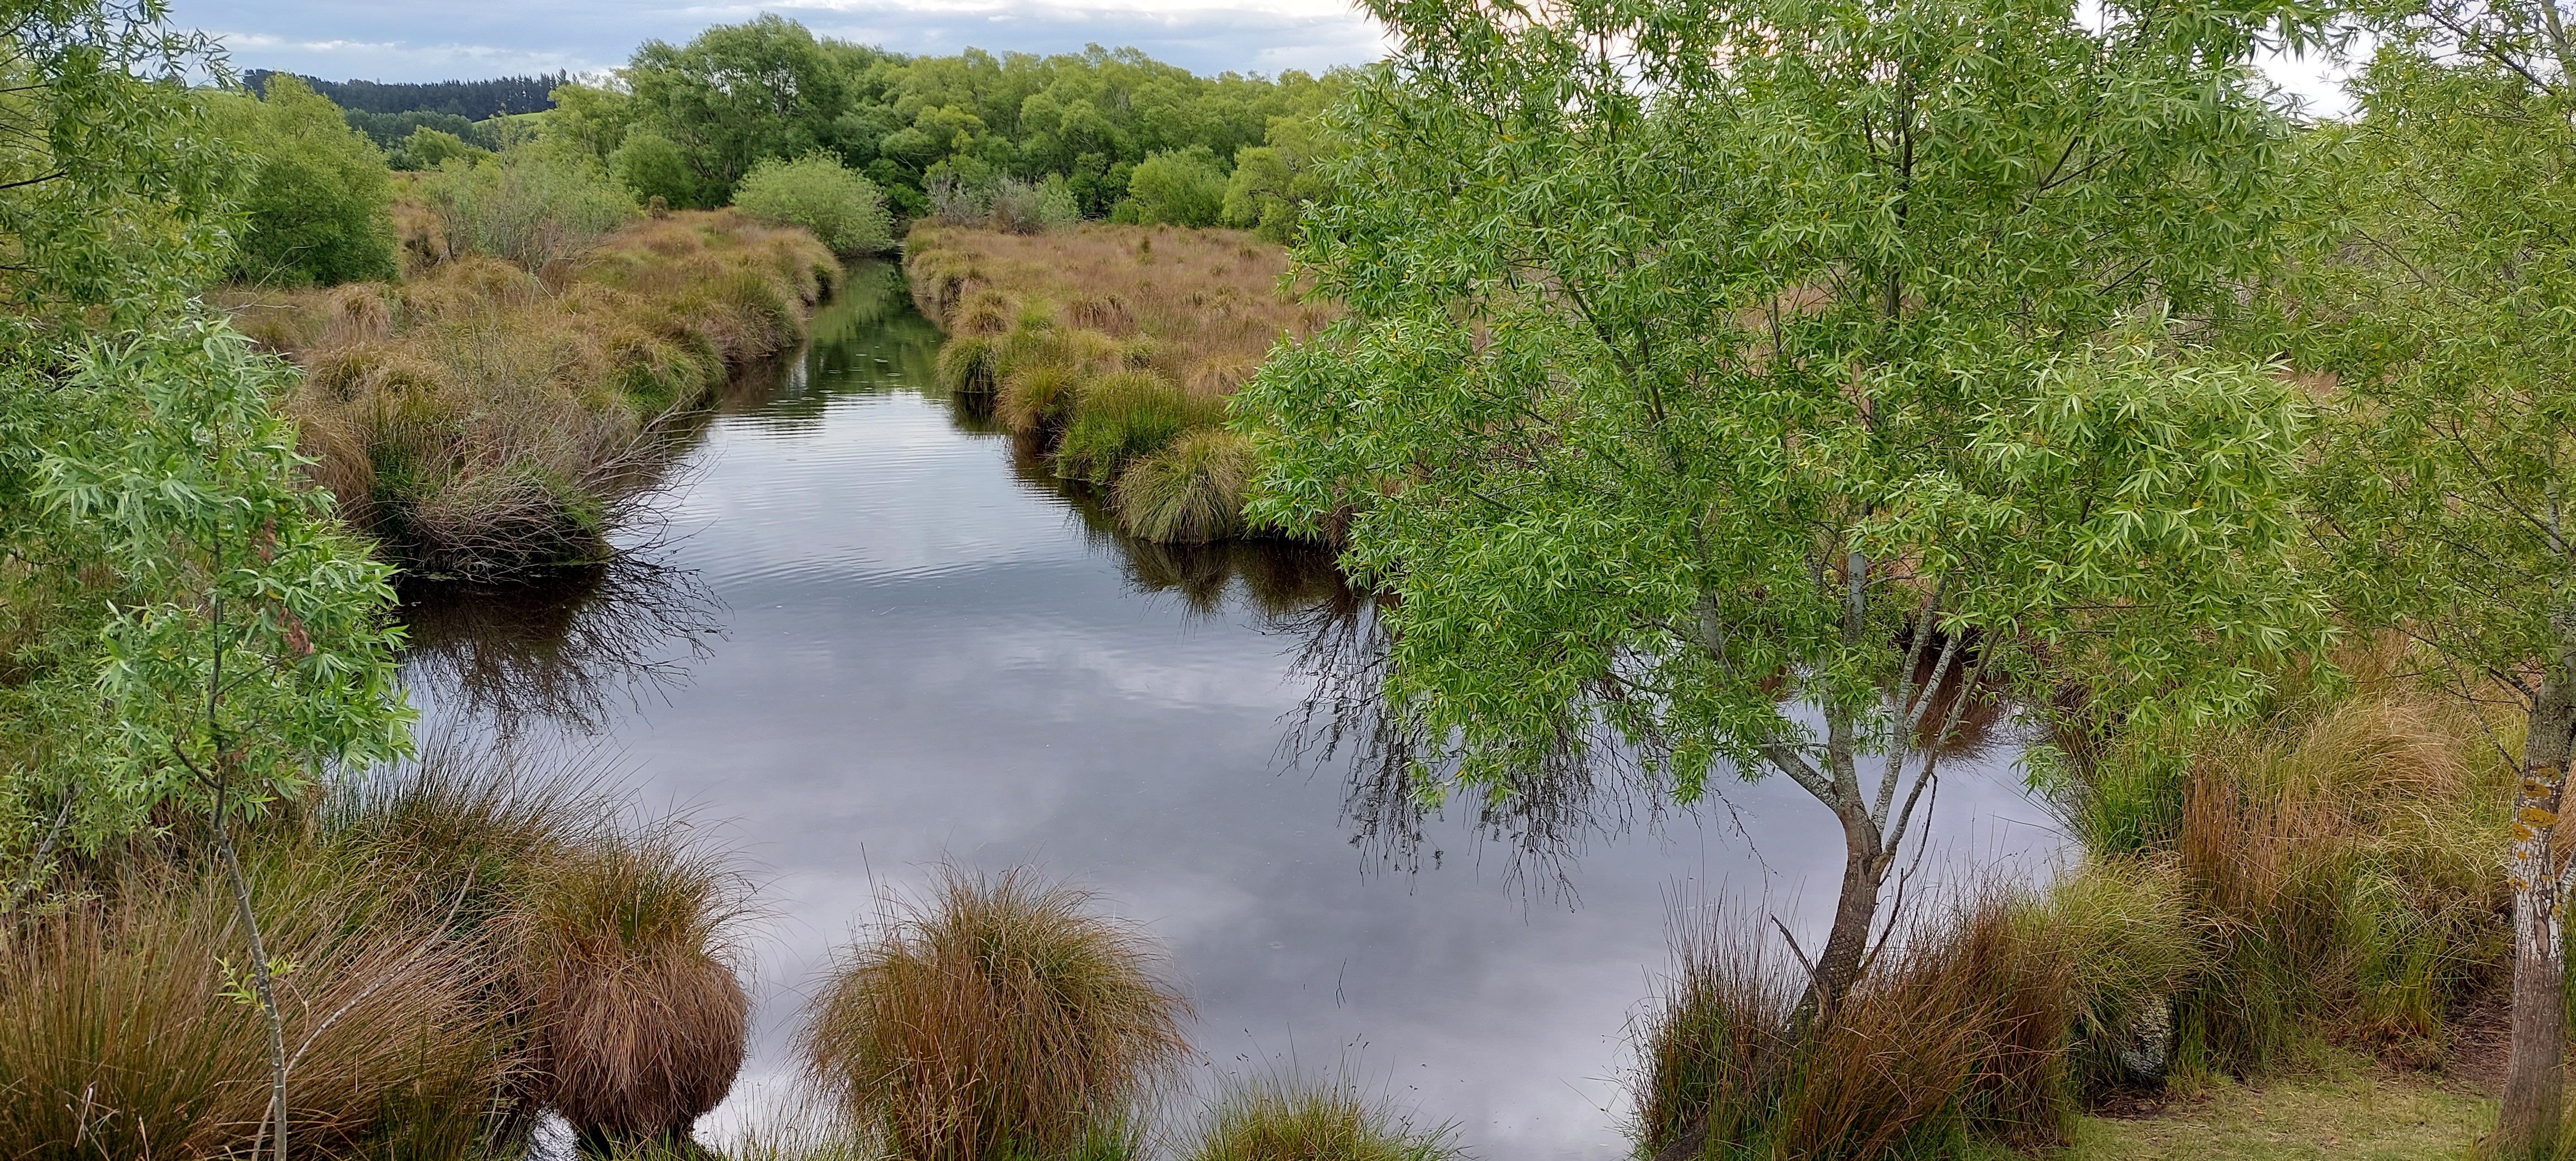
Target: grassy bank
{"type": "Point", "coordinates": [481, 420]}
{"type": "Point", "coordinates": [1115, 348]}
{"type": "Point", "coordinates": [2257, 902]}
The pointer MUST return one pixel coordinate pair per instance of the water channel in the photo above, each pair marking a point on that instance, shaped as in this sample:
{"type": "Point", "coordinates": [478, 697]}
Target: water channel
{"type": "Point", "coordinates": [869, 636]}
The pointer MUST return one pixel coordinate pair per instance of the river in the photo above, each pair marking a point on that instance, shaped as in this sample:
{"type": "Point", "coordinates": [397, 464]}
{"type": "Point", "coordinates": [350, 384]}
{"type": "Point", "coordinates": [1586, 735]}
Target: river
{"type": "Point", "coordinates": [867, 636]}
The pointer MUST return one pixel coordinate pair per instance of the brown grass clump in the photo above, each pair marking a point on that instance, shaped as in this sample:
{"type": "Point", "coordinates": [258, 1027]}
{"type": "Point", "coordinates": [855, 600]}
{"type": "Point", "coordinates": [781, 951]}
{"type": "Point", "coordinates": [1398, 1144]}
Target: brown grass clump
{"type": "Point", "coordinates": [641, 1023]}
{"type": "Point", "coordinates": [480, 420]}
{"type": "Point", "coordinates": [999, 1018]}
{"type": "Point", "coordinates": [1191, 492]}
{"type": "Point", "coordinates": [124, 1030]}
{"type": "Point", "coordinates": [1059, 330]}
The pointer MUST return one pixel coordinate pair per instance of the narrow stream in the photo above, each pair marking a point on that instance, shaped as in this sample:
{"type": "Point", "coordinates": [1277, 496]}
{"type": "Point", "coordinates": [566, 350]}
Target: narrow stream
{"type": "Point", "coordinates": [870, 637]}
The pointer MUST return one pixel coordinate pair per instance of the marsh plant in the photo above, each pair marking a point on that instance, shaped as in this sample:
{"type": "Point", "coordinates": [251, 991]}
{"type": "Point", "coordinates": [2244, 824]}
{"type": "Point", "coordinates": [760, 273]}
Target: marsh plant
{"type": "Point", "coordinates": [999, 1017]}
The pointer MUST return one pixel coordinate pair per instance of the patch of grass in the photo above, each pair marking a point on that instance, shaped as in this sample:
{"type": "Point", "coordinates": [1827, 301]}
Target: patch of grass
{"type": "Point", "coordinates": [1190, 492]}
{"type": "Point", "coordinates": [481, 420]}
{"type": "Point", "coordinates": [1059, 326]}
{"type": "Point", "coordinates": [1275, 1119]}
{"type": "Point", "coordinates": [1001, 1017]}
{"type": "Point", "coordinates": [2363, 1117]}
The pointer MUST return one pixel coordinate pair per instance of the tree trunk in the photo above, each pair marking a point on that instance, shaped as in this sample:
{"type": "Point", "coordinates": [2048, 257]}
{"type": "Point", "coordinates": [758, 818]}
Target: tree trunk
{"type": "Point", "coordinates": [261, 983]}
{"type": "Point", "coordinates": [1837, 966]}
{"type": "Point", "coordinates": [2534, 1087]}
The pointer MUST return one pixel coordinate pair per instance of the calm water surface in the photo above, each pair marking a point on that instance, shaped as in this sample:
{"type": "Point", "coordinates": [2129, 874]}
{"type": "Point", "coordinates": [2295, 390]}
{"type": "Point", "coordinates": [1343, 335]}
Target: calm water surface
{"type": "Point", "coordinates": [871, 637]}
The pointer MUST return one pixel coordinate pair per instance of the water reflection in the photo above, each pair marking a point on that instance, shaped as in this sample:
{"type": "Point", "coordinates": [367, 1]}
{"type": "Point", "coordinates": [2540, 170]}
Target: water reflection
{"type": "Point", "coordinates": [917, 647]}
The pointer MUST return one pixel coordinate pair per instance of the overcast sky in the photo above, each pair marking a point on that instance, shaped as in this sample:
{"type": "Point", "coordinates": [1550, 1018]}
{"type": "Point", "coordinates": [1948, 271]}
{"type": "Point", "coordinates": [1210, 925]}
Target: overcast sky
{"type": "Point", "coordinates": [430, 40]}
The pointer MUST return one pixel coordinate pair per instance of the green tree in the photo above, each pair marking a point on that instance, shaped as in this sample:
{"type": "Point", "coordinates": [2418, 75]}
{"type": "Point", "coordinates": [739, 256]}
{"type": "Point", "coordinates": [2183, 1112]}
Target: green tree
{"type": "Point", "coordinates": [2446, 310]}
{"type": "Point", "coordinates": [185, 632]}
{"type": "Point", "coordinates": [1683, 373]}
{"type": "Point", "coordinates": [735, 95]}
{"type": "Point", "coordinates": [817, 192]}
{"type": "Point", "coordinates": [1181, 188]}
{"type": "Point", "coordinates": [319, 205]}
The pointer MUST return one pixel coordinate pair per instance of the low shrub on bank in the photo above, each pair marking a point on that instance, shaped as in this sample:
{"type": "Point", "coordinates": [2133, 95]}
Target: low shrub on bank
{"type": "Point", "coordinates": [479, 420]}
{"type": "Point", "coordinates": [1110, 344]}
{"type": "Point", "coordinates": [1280, 1119]}
{"type": "Point", "coordinates": [1000, 1018]}
{"type": "Point", "coordinates": [817, 192]}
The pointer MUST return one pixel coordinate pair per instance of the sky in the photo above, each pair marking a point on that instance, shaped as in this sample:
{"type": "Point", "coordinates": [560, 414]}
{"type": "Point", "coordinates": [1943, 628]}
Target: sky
{"type": "Point", "coordinates": [432, 40]}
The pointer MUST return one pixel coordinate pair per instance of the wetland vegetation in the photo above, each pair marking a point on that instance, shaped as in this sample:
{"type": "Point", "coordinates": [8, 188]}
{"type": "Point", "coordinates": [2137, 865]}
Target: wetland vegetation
{"type": "Point", "coordinates": [1824, 395]}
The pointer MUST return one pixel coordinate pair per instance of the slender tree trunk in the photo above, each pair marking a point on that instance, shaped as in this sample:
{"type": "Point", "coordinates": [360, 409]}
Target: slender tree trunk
{"type": "Point", "coordinates": [1838, 964]}
{"type": "Point", "coordinates": [2534, 1086]}
{"type": "Point", "coordinates": [261, 983]}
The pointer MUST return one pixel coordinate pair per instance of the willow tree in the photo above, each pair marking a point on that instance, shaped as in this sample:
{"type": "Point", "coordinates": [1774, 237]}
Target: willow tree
{"type": "Point", "coordinates": [1724, 381]}
{"type": "Point", "coordinates": [2446, 307]}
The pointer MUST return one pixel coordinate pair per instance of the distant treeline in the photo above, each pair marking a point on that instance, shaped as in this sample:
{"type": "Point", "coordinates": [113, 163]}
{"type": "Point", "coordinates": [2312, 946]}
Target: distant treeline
{"type": "Point", "coordinates": [471, 100]}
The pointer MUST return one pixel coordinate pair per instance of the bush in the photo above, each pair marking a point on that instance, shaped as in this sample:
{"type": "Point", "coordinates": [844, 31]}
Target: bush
{"type": "Point", "coordinates": [1183, 188]}
{"type": "Point", "coordinates": [1002, 1018]}
{"type": "Point", "coordinates": [1191, 492]}
{"type": "Point", "coordinates": [432, 148]}
{"type": "Point", "coordinates": [817, 192]}
{"type": "Point", "coordinates": [1288, 1120]}
{"type": "Point", "coordinates": [1117, 418]}
{"type": "Point", "coordinates": [319, 204]}
{"type": "Point", "coordinates": [533, 204]}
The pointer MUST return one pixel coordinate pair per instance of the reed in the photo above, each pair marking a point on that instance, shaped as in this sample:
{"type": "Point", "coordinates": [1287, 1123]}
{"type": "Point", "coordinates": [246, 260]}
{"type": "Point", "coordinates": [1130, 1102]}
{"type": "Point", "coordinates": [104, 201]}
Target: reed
{"type": "Point", "coordinates": [1000, 1017]}
{"type": "Point", "coordinates": [481, 420]}
{"type": "Point", "coordinates": [1114, 342]}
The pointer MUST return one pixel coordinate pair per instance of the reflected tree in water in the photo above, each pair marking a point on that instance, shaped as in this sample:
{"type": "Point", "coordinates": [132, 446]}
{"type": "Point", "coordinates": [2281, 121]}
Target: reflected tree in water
{"type": "Point", "coordinates": [567, 650]}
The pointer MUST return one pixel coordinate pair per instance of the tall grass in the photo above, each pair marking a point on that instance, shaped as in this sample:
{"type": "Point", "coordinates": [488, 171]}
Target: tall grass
{"type": "Point", "coordinates": [1110, 344]}
{"type": "Point", "coordinates": [1000, 1017]}
{"type": "Point", "coordinates": [481, 420]}
{"type": "Point", "coordinates": [464, 941]}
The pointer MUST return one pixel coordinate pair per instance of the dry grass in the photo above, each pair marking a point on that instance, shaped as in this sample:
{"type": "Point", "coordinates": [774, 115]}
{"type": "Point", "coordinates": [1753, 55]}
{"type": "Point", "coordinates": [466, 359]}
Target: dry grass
{"type": "Point", "coordinates": [1111, 341]}
{"type": "Point", "coordinates": [1190, 492]}
{"type": "Point", "coordinates": [1002, 1017]}
{"type": "Point", "coordinates": [480, 420]}
{"type": "Point", "coordinates": [121, 1036]}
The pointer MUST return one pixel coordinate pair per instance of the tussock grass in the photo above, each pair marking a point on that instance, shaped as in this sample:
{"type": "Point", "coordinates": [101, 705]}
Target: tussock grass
{"type": "Point", "coordinates": [1959, 1033]}
{"type": "Point", "coordinates": [1114, 342]}
{"type": "Point", "coordinates": [481, 420]}
{"type": "Point", "coordinates": [1285, 1119]}
{"type": "Point", "coordinates": [466, 939]}
{"type": "Point", "coordinates": [1000, 1017]}
{"type": "Point", "coordinates": [1190, 492]}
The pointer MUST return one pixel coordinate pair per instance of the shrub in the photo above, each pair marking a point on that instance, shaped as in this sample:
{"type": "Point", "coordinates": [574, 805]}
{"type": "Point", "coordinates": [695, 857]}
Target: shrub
{"type": "Point", "coordinates": [1289, 1120]}
{"type": "Point", "coordinates": [1117, 418]}
{"type": "Point", "coordinates": [653, 166]}
{"type": "Point", "coordinates": [533, 204]}
{"type": "Point", "coordinates": [1191, 492]}
{"type": "Point", "coordinates": [1000, 1018]}
{"type": "Point", "coordinates": [817, 192]}
{"type": "Point", "coordinates": [428, 148]}
{"type": "Point", "coordinates": [1181, 188]}
{"type": "Point", "coordinates": [319, 204]}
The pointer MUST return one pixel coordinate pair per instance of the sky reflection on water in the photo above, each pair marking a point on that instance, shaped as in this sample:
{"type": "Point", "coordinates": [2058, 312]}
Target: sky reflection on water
{"type": "Point", "coordinates": [873, 639]}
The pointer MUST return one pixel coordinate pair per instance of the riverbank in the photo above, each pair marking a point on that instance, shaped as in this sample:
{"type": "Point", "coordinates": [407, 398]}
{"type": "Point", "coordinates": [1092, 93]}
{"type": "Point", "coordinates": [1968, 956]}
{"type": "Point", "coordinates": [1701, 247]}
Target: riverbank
{"type": "Point", "coordinates": [1114, 349]}
{"type": "Point", "coordinates": [482, 421]}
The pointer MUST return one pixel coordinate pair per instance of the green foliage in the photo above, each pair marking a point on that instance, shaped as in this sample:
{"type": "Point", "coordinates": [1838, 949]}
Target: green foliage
{"type": "Point", "coordinates": [1184, 188]}
{"type": "Point", "coordinates": [319, 205]}
{"type": "Point", "coordinates": [652, 166]}
{"type": "Point", "coordinates": [1667, 416]}
{"type": "Point", "coordinates": [532, 204]}
{"type": "Point", "coordinates": [1272, 183]}
{"type": "Point", "coordinates": [768, 88]}
{"type": "Point", "coordinates": [433, 148]}
{"type": "Point", "coordinates": [817, 192]}
{"type": "Point", "coordinates": [390, 130]}
{"type": "Point", "coordinates": [1280, 1119]}
{"type": "Point", "coordinates": [1190, 492]}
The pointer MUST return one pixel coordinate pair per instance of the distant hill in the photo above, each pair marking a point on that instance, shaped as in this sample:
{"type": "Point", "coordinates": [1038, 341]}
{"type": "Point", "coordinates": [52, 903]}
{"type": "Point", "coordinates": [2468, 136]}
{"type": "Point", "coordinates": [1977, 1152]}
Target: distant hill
{"type": "Point", "coordinates": [472, 100]}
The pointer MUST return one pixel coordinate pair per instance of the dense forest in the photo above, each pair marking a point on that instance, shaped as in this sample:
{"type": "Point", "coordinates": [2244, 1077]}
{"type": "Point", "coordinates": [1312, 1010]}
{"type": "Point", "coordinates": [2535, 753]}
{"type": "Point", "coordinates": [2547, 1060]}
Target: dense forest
{"type": "Point", "coordinates": [472, 100]}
